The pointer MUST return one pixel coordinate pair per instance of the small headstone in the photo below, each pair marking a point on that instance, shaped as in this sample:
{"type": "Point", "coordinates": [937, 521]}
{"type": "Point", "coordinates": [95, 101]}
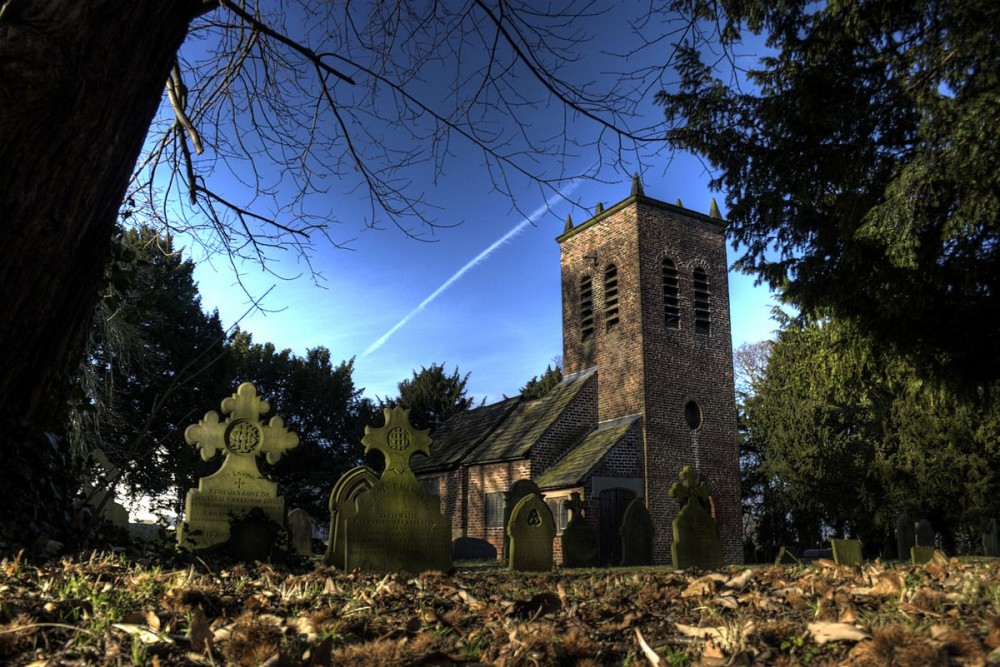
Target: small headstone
{"type": "Point", "coordinates": [471, 548]}
{"type": "Point", "coordinates": [786, 557]}
{"type": "Point", "coordinates": [846, 552]}
{"type": "Point", "coordinates": [991, 539]}
{"type": "Point", "coordinates": [696, 540]}
{"type": "Point", "coordinates": [636, 534]}
{"type": "Point", "coordinates": [905, 535]}
{"type": "Point", "coordinates": [579, 543]}
{"type": "Point", "coordinates": [300, 531]}
{"type": "Point", "coordinates": [511, 497]}
{"type": "Point", "coordinates": [398, 524]}
{"type": "Point", "coordinates": [237, 488]}
{"type": "Point", "coordinates": [921, 554]}
{"type": "Point", "coordinates": [531, 530]}
{"type": "Point", "coordinates": [815, 554]}
{"type": "Point", "coordinates": [925, 533]}
{"type": "Point", "coordinates": [343, 505]}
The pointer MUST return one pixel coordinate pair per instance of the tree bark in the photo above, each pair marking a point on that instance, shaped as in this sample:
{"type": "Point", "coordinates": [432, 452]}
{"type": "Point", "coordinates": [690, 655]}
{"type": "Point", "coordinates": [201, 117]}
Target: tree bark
{"type": "Point", "coordinates": [79, 85]}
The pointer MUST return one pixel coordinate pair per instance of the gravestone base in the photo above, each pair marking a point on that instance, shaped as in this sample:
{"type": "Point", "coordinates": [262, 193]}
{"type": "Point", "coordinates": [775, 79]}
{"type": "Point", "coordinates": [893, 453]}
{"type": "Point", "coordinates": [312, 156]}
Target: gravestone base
{"type": "Point", "coordinates": [398, 526]}
{"type": "Point", "coordinates": [221, 499]}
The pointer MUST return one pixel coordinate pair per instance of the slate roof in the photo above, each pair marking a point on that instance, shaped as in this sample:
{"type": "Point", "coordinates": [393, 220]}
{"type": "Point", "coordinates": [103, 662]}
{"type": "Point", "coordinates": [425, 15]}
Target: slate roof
{"type": "Point", "coordinates": [457, 436]}
{"type": "Point", "coordinates": [579, 461]}
{"type": "Point", "coordinates": [501, 431]}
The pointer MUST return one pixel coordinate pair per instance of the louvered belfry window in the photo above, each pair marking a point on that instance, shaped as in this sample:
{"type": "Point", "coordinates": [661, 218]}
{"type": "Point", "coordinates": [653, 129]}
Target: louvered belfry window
{"type": "Point", "coordinates": [586, 307]}
{"type": "Point", "coordinates": [671, 300]}
{"type": "Point", "coordinates": [702, 303]}
{"type": "Point", "coordinates": [611, 297]}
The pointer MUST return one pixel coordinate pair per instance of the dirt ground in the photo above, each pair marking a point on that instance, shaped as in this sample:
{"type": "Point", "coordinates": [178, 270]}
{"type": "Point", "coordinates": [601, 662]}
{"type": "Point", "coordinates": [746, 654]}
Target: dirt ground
{"type": "Point", "coordinates": [112, 610]}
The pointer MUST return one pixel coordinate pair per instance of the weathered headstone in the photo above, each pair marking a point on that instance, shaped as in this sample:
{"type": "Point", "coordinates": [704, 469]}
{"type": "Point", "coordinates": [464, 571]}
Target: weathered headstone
{"type": "Point", "coordinates": [579, 542]}
{"type": "Point", "coordinates": [846, 552]}
{"type": "Point", "coordinates": [921, 554]}
{"type": "Point", "coordinates": [300, 531]}
{"type": "Point", "coordinates": [925, 533]}
{"type": "Point", "coordinates": [531, 530]}
{"type": "Point", "coordinates": [398, 524]}
{"type": "Point", "coordinates": [696, 540]}
{"type": "Point", "coordinates": [471, 548]}
{"type": "Point", "coordinates": [991, 539]}
{"type": "Point", "coordinates": [636, 534]}
{"type": "Point", "coordinates": [343, 505]}
{"type": "Point", "coordinates": [511, 497]}
{"type": "Point", "coordinates": [905, 536]}
{"type": "Point", "coordinates": [237, 488]}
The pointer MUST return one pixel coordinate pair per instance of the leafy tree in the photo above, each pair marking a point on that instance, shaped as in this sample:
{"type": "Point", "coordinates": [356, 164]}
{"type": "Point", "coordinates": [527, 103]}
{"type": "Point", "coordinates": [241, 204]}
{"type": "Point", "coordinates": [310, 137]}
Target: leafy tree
{"type": "Point", "coordinates": [860, 157]}
{"type": "Point", "coordinates": [432, 396]}
{"type": "Point", "coordinates": [538, 387]}
{"type": "Point", "coordinates": [849, 437]}
{"type": "Point", "coordinates": [750, 366]}
{"type": "Point", "coordinates": [318, 401]}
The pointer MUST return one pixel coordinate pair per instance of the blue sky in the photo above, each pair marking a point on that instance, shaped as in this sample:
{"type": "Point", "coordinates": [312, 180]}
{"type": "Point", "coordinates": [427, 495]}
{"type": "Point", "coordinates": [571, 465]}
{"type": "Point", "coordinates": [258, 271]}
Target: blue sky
{"type": "Point", "coordinates": [481, 292]}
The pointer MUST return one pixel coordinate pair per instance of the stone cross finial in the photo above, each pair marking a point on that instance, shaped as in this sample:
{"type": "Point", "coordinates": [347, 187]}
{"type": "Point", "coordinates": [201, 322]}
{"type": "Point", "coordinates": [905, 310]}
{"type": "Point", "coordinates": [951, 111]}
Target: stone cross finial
{"type": "Point", "coordinates": [397, 440]}
{"type": "Point", "coordinates": [569, 224]}
{"type": "Point", "coordinates": [713, 211]}
{"type": "Point", "coordinates": [637, 185]}
{"type": "Point", "coordinates": [576, 505]}
{"type": "Point", "coordinates": [241, 435]}
{"type": "Point", "coordinates": [690, 486]}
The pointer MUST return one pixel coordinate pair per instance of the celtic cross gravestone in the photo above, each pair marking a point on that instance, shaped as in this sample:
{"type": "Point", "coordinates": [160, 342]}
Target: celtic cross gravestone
{"type": "Point", "coordinates": [579, 542]}
{"type": "Point", "coordinates": [696, 542]}
{"type": "Point", "coordinates": [237, 488]}
{"type": "Point", "coordinates": [397, 524]}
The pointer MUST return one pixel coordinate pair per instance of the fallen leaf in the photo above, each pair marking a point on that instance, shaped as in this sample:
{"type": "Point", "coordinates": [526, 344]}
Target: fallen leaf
{"type": "Point", "coordinates": [824, 632]}
{"type": "Point", "coordinates": [144, 634]}
{"type": "Point", "coordinates": [201, 632]}
{"type": "Point", "coordinates": [739, 582]}
{"type": "Point", "coordinates": [699, 587]}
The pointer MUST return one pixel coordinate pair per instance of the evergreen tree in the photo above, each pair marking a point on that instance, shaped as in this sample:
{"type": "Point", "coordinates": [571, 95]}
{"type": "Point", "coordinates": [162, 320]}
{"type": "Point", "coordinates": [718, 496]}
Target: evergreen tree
{"type": "Point", "coordinates": [860, 157]}
{"type": "Point", "coordinates": [432, 396]}
{"type": "Point", "coordinates": [539, 386]}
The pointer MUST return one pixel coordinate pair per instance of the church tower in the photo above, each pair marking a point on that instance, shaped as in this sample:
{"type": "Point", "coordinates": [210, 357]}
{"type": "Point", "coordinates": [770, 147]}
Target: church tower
{"type": "Point", "coordinates": [646, 301]}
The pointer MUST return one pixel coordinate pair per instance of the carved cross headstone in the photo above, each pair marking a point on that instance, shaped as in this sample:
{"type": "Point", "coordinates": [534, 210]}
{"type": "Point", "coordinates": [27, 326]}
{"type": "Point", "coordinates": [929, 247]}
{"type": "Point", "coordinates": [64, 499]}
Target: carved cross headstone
{"type": "Point", "coordinates": [637, 534]}
{"type": "Point", "coordinates": [531, 530]}
{"type": "Point", "coordinates": [511, 497]}
{"type": "Point", "coordinates": [398, 524]}
{"type": "Point", "coordinates": [237, 487]}
{"type": "Point", "coordinates": [905, 536]}
{"type": "Point", "coordinates": [343, 505]}
{"type": "Point", "coordinates": [579, 542]}
{"type": "Point", "coordinates": [696, 541]}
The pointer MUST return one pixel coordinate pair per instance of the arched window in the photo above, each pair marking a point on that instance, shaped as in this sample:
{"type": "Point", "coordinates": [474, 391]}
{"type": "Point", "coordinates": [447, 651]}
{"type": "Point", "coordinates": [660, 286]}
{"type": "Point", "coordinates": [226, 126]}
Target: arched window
{"type": "Point", "coordinates": [671, 301]}
{"type": "Point", "coordinates": [611, 297]}
{"type": "Point", "coordinates": [702, 303]}
{"type": "Point", "coordinates": [586, 307]}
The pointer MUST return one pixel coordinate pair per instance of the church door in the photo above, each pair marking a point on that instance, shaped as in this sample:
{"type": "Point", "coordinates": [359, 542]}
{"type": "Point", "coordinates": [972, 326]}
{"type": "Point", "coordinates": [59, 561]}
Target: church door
{"type": "Point", "coordinates": [613, 503]}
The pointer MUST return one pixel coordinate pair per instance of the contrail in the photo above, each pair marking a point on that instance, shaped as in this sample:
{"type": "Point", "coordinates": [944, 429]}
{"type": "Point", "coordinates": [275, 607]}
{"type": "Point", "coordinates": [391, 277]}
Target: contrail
{"type": "Point", "coordinates": [530, 220]}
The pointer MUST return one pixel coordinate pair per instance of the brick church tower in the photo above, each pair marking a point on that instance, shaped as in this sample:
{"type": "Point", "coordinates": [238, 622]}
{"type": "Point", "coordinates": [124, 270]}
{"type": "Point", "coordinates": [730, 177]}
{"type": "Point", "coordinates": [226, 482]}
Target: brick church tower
{"type": "Point", "coordinates": [646, 301]}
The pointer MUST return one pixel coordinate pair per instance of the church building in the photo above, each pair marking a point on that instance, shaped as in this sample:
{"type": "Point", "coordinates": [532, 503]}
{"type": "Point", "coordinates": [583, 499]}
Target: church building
{"type": "Point", "coordinates": [647, 388]}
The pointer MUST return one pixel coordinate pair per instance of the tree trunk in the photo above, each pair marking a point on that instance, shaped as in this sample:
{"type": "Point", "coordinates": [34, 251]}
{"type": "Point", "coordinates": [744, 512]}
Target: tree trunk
{"type": "Point", "coordinates": [80, 82]}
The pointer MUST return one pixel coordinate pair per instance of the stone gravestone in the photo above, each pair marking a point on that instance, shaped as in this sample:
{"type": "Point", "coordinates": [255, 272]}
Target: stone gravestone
{"type": "Point", "coordinates": [905, 536]}
{"type": "Point", "coordinates": [579, 543]}
{"type": "Point", "coordinates": [300, 531]}
{"type": "Point", "coordinates": [398, 524]}
{"type": "Point", "coordinates": [991, 539]}
{"type": "Point", "coordinates": [511, 497]}
{"type": "Point", "coordinates": [846, 552]}
{"type": "Point", "coordinates": [237, 488]}
{"type": "Point", "coordinates": [925, 533]}
{"type": "Point", "coordinates": [920, 554]}
{"type": "Point", "coordinates": [636, 534]}
{"type": "Point", "coordinates": [531, 530]}
{"type": "Point", "coordinates": [343, 505]}
{"type": "Point", "coordinates": [696, 541]}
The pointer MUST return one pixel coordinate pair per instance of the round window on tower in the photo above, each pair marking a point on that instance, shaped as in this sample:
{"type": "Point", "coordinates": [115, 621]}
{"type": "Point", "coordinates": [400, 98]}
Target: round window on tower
{"type": "Point", "coordinates": [692, 415]}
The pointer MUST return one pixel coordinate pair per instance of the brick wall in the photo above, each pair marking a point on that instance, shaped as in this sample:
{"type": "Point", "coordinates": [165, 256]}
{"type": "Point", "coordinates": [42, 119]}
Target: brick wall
{"type": "Point", "coordinates": [645, 367]}
{"type": "Point", "coordinates": [576, 421]}
{"type": "Point", "coordinates": [490, 478]}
